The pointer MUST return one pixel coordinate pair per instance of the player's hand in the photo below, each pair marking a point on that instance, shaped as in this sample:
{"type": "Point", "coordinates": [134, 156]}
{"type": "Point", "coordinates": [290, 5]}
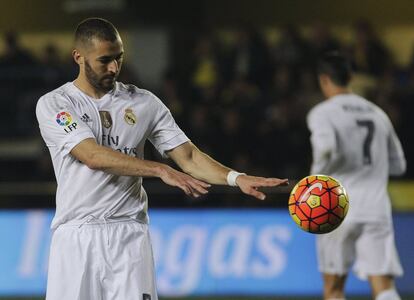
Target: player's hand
{"type": "Point", "coordinates": [250, 184]}
{"type": "Point", "coordinates": [191, 186]}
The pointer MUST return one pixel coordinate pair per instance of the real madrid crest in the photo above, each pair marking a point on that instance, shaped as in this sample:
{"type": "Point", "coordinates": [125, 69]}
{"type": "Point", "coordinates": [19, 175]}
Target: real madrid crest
{"type": "Point", "coordinates": [130, 117]}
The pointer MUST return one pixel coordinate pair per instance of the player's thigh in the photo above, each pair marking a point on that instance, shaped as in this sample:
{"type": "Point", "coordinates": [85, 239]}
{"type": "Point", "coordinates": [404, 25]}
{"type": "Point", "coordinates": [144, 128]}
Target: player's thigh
{"type": "Point", "coordinates": [376, 251]}
{"type": "Point", "coordinates": [72, 272]}
{"type": "Point", "coordinates": [336, 250]}
{"type": "Point", "coordinates": [132, 275]}
{"type": "Point", "coordinates": [134, 248]}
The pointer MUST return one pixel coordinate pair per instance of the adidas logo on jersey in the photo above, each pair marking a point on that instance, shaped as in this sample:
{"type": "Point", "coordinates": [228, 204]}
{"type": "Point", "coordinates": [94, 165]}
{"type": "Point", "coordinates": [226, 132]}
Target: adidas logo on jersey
{"type": "Point", "coordinates": [85, 118]}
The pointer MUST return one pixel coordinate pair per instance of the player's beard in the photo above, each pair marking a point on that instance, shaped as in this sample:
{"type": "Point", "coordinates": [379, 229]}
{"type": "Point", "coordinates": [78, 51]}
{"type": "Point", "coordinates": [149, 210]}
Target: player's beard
{"type": "Point", "coordinates": [103, 83]}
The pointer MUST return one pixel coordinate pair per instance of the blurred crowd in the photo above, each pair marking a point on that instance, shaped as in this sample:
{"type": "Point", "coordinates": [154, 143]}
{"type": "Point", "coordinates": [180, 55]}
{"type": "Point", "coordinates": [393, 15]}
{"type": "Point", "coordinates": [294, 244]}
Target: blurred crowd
{"type": "Point", "coordinates": [244, 102]}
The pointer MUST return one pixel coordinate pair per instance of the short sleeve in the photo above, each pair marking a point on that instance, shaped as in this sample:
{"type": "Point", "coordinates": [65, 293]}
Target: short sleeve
{"type": "Point", "coordinates": [59, 124]}
{"type": "Point", "coordinates": [165, 135]}
{"type": "Point", "coordinates": [323, 139]}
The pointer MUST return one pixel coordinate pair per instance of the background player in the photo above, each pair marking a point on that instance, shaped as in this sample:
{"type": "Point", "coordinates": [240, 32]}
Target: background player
{"type": "Point", "coordinates": [95, 129]}
{"type": "Point", "coordinates": [354, 141]}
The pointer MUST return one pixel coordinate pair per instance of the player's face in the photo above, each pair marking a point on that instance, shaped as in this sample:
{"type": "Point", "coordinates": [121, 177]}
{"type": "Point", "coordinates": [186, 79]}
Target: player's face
{"type": "Point", "coordinates": [103, 62]}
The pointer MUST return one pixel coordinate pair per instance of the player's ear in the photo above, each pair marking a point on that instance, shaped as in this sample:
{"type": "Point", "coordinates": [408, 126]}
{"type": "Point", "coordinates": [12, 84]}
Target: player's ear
{"type": "Point", "coordinates": [77, 57]}
{"type": "Point", "coordinates": [320, 80]}
{"type": "Point", "coordinates": [323, 79]}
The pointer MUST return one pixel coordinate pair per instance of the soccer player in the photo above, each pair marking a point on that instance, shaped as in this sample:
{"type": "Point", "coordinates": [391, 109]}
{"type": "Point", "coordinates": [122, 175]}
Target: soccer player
{"type": "Point", "coordinates": [354, 141]}
{"type": "Point", "coordinates": [95, 129]}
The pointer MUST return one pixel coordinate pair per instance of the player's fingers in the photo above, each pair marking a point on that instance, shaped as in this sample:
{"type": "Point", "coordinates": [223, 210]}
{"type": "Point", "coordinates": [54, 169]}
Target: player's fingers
{"type": "Point", "coordinates": [260, 181]}
{"type": "Point", "coordinates": [202, 183]}
{"type": "Point", "coordinates": [191, 184]}
{"type": "Point", "coordinates": [185, 188]}
{"type": "Point", "coordinates": [198, 188]}
{"type": "Point", "coordinates": [191, 188]}
{"type": "Point", "coordinates": [197, 182]}
{"type": "Point", "coordinates": [276, 181]}
{"type": "Point", "coordinates": [194, 192]}
{"type": "Point", "coordinates": [257, 194]}
{"type": "Point", "coordinates": [284, 181]}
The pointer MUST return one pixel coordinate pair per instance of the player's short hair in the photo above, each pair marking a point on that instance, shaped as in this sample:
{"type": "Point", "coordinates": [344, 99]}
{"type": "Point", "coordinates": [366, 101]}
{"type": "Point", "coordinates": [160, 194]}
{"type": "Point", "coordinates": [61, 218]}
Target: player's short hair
{"type": "Point", "coordinates": [336, 66]}
{"type": "Point", "coordinates": [95, 28]}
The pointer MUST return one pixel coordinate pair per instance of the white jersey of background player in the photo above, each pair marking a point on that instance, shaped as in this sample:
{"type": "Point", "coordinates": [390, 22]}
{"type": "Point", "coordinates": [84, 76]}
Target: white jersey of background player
{"type": "Point", "coordinates": [354, 141]}
{"type": "Point", "coordinates": [95, 129]}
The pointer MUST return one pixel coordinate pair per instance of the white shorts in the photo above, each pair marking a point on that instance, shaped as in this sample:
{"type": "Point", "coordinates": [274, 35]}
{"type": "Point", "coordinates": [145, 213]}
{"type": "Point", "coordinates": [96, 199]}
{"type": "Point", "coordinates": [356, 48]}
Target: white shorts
{"type": "Point", "coordinates": [101, 260]}
{"type": "Point", "coordinates": [369, 246]}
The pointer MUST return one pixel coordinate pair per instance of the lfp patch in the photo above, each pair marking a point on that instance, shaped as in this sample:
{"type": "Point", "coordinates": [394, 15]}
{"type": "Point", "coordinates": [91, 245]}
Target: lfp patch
{"type": "Point", "coordinates": [64, 118]}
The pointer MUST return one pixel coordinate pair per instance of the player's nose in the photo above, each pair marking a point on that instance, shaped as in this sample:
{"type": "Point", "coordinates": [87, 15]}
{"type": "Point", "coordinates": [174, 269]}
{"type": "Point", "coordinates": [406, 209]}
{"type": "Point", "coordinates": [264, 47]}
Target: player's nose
{"type": "Point", "coordinates": [113, 67]}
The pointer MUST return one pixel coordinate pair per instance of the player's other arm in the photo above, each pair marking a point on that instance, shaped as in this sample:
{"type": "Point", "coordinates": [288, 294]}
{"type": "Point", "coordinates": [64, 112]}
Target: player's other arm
{"type": "Point", "coordinates": [322, 150]}
{"type": "Point", "coordinates": [396, 158]}
{"type": "Point", "coordinates": [201, 166]}
{"type": "Point", "coordinates": [322, 140]}
{"type": "Point", "coordinates": [105, 159]}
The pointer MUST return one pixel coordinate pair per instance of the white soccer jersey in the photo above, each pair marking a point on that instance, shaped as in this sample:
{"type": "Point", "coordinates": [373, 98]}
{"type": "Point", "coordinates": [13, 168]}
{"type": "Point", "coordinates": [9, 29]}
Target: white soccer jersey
{"type": "Point", "coordinates": [354, 141]}
{"type": "Point", "coordinates": [123, 120]}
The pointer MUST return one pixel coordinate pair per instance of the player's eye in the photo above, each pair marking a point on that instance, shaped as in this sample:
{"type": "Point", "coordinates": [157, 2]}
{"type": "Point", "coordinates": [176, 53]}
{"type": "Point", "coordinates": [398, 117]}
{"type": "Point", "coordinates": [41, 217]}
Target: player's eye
{"type": "Point", "coordinates": [105, 60]}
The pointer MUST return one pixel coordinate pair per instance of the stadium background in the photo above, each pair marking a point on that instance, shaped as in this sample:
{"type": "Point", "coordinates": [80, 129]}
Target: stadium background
{"type": "Point", "coordinates": [237, 76]}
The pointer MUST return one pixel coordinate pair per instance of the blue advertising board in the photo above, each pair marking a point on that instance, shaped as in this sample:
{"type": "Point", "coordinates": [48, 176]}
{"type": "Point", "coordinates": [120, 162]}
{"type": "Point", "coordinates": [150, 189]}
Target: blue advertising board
{"type": "Point", "coordinates": [200, 252]}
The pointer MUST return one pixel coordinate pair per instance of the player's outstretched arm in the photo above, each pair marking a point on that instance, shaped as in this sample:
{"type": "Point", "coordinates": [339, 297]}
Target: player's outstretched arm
{"type": "Point", "coordinates": [199, 165]}
{"type": "Point", "coordinates": [102, 158]}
